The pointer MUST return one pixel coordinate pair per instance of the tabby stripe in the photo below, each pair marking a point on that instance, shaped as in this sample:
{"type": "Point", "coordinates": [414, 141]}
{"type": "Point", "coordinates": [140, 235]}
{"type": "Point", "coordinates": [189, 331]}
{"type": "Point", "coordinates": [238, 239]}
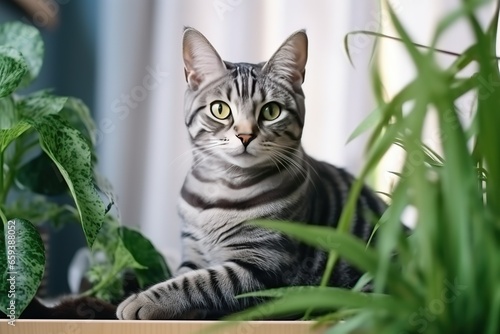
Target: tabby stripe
{"type": "Point", "coordinates": [235, 281]}
{"type": "Point", "coordinates": [291, 135]}
{"type": "Point", "coordinates": [237, 86]}
{"type": "Point", "coordinates": [338, 198]}
{"type": "Point", "coordinates": [244, 85]}
{"type": "Point", "coordinates": [263, 94]}
{"type": "Point", "coordinates": [156, 294]}
{"type": "Point", "coordinates": [214, 282]}
{"type": "Point", "coordinates": [199, 252]}
{"type": "Point", "coordinates": [270, 196]}
{"type": "Point", "coordinates": [195, 95]}
{"type": "Point", "coordinates": [189, 235]}
{"type": "Point", "coordinates": [186, 290]}
{"type": "Point", "coordinates": [298, 119]}
{"type": "Point", "coordinates": [175, 286]}
{"type": "Point", "coordinates": [333, 195]}
{"type": "Point", "coordinates": [188, 264]}
{"type": "Point", "coordinates": [193, 114]}
{"type": "Point", "coordinates": [254, 83]}
{"type": "Point", "coordinates": [245, 184]}
{"type": "Point", "coordinates": [283, 87]}
{"type": "Point", "coordinates": [208, 301]}
{"type": "Point", "coordinates": [148, 297]}
{"type": "Point", "coordinates": [230, 232]}
{"type": "Point", "coordinates": [358, 227]}
{"type": "Point", "coordinates": [346, 177]}
{"type": "Point", "coordinates": [264, 277]}
{"type": "Point", "coordinates": [321, 197]}
{"type": "Point", "coordinates": [228, 92]}
{"type": "Point", "coordinates": [253, 244]}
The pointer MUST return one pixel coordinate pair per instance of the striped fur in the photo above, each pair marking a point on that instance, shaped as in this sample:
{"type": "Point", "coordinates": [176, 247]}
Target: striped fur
{"type": "Point", "coordinates": [233, 180]}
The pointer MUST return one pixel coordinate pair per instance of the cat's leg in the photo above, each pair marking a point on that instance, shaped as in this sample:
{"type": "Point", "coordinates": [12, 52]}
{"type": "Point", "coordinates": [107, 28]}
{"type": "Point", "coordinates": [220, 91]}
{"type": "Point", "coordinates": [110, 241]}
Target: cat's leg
{"type": "Point", "coordinates": [212, 289]}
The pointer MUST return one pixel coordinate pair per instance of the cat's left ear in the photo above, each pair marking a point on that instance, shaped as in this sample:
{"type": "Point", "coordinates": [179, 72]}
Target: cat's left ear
{"type": "Point", "coordinates": [289, 61]}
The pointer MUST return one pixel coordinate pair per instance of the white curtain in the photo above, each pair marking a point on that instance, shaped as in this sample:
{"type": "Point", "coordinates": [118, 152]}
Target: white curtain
{"type": "Point", "coordinates": [420, 19]}
{"type": "Point", "coordinates": [143, 146]}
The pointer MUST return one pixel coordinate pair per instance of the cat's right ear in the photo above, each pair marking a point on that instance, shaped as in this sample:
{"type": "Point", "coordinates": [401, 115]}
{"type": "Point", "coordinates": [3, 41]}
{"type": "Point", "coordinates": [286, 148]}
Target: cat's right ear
{"type": "Point", "coordinates": [201, 62]}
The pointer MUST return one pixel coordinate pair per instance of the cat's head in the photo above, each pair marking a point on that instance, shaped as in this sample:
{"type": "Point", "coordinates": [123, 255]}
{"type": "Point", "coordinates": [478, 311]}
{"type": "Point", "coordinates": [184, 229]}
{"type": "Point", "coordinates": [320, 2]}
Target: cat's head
{"type": "Point", "coordinates": [245, 114]}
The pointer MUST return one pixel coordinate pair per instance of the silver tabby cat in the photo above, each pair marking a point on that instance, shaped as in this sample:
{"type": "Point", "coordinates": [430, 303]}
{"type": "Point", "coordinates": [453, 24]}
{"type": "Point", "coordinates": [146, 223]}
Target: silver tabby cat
{"type": "Point", "coordinates": [245, 122]}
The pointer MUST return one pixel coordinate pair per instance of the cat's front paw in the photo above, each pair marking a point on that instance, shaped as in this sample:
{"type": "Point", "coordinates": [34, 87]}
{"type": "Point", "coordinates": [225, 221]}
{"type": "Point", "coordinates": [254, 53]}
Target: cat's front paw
{"type": "Point", "coordinates": [141, 307]}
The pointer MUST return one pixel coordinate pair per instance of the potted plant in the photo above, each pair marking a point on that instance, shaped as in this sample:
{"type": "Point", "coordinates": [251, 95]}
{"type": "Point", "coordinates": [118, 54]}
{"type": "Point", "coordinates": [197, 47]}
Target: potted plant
{"type": "Point", "coordinates": [47, 147]}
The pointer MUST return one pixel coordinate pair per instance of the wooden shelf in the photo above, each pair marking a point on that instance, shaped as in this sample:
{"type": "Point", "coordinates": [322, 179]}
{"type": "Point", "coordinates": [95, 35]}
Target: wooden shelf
{"type": "Point", "coordinates": [154, 327]}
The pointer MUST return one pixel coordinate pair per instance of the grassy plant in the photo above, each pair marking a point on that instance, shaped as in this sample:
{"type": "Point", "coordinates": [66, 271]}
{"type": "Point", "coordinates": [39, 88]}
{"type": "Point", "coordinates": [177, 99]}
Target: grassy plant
{"type": "Point", "coordinates": [47, 147]}
{"type": "Point", "coordinates": [446, 275]}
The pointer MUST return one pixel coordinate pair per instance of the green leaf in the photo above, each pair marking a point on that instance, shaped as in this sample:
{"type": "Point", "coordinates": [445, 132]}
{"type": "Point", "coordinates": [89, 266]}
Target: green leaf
{"type": "Point", "coordinates": [370, 121]}
{"type": "Point", "coordinates": [40, 104]}
{"type": "Point", "coordinates": [22, 265]}
{"type": "Point", "coordinates": [13, 68]}
{"type": "Point", "coordinates": [123, 258]}
{"type": "Point", "coordinates": [27, 40]}
{"type": "Point", "coordinates": [105, 187]}
{"type": "Point", "coordinates": [360, 323]}
{"type": "Point", "coordinates": [8, 135]}
{"type": "Point", "coordinates": [38, 209]}
{"type": "Point", "coordinates": [106, 278]}
{"type": "Point", "coordinates": [70, 152]}
{"type": "Point", "coordinates": [41, 176]}
{"type": "Point", "coordinates": [327, 238]}
{"type": "Point", "coordinates": [348, 246]}
{"type": "Point", "coordinates": [7, 112]}
{"type": "Point", "coordinates": [298, 299]}
{"type": "Point", "coordinates": [145, 254]}
{"type": "Point", "coordinates": [76, 113]}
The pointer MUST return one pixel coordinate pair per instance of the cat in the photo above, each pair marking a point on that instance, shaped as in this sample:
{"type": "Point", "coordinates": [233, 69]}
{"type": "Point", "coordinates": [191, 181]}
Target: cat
{"type": "Point", "coordinates": [245, 124]}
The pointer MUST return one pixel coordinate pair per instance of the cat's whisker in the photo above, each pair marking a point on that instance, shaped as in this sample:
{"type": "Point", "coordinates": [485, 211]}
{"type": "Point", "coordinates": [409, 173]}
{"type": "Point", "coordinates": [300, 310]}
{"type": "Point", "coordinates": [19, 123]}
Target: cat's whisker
{"type": "Point", "coordinates": [189, 153]}
{"type": "Point", "coordinates": [283, 163]}
{"type": "Point", "coordinates": [295, 152]}
{"type": "Point", "coordinates": [295, 166]}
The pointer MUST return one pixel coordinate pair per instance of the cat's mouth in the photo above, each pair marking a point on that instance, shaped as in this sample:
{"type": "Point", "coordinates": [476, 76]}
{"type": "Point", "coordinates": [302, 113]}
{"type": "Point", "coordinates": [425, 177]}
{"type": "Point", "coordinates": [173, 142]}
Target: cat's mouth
{"type": "Point", "coordinates": [246, 159]}
{"type": "Point", "coordinates": [245, 153]}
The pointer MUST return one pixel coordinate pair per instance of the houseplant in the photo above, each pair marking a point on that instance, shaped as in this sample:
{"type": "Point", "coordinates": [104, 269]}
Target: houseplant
{"type": "Point", "coordinates": [445, 277]}
{"type": "Point", "coordinates": [47, 147]}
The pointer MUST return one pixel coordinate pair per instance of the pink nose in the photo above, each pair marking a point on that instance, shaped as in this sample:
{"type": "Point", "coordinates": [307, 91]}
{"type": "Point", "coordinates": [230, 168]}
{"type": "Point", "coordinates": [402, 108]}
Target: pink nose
{"type": "Point", "coordinates": [246, 138]}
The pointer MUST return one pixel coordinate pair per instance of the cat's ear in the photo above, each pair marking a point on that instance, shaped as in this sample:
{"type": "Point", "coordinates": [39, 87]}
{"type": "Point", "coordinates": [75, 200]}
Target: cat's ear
{"type": "Point", "coordinates": [201, 61]}
{"type": "Point", "coordinates": [289, 61]}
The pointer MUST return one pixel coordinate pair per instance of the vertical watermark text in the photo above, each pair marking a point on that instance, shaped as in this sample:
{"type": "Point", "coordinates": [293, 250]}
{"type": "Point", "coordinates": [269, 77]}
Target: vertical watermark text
{"type": "Point", "coordinates": [11, 271]}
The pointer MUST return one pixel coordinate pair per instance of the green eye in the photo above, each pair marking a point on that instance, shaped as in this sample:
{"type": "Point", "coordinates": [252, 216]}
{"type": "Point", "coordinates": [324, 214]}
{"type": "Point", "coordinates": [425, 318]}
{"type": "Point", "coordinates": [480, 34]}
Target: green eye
{"type": "Point", "coordinates": [271, 111]}
{"type": "Point", "coordinates": [220, 109]}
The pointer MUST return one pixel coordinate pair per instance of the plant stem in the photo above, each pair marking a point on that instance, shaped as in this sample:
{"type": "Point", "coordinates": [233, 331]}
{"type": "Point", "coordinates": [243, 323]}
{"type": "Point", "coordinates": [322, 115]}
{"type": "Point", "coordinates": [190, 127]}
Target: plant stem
{"type": "Point", "coordinates": [103, 283]}
{"type": "Point", "coordinates": [1, 178]}
{"type": "Point", "coordinates": [9, 179]}
{"type": "Point", "coordinates": [3, 217]}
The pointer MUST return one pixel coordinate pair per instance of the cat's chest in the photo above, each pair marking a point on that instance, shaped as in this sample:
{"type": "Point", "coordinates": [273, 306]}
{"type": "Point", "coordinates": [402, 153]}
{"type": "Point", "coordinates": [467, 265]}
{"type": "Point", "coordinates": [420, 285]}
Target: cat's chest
{"type": "Point", "coordinates": [211, 220]}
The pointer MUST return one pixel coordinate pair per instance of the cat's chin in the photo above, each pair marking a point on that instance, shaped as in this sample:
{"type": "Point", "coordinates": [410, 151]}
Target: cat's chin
{"type": "Point", "coordinates": [247, 160]}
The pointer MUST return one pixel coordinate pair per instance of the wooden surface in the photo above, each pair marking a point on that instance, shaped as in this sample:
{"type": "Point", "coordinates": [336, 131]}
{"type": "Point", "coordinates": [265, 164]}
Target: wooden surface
{"type": "Point", "coordinates": [154, 327]}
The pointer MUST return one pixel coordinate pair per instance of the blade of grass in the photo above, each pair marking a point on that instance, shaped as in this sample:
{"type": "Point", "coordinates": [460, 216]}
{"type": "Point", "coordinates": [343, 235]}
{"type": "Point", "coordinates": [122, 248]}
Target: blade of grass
{"type": "Point", "coordinates": [321, 298]}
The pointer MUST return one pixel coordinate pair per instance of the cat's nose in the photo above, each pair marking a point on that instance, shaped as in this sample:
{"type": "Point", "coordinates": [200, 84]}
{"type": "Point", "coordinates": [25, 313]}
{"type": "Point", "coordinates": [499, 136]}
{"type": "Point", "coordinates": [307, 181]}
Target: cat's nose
{"type": "Point", "coordinates": [246, 138]}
